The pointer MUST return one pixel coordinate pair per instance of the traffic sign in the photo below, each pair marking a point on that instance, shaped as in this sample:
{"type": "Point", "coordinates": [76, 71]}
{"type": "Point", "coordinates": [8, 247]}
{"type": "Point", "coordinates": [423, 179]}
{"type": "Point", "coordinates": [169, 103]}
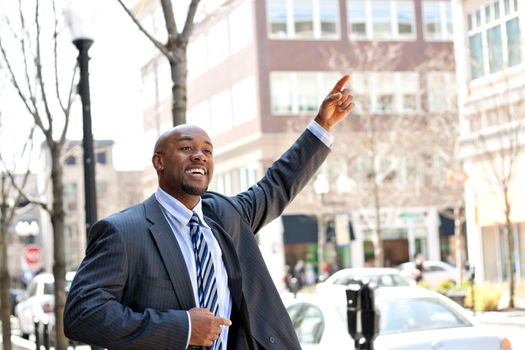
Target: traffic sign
{"type": "Point", "coordinates": [32, 255]}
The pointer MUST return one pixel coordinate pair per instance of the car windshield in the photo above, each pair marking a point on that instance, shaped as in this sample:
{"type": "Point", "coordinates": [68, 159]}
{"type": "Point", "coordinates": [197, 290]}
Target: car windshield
{"type": "Point", "coordinates": [417, 314]}
{"type": "Point", "coordinates": [382, 280]}
{"type": "Point", "coordinates": [414, 314]}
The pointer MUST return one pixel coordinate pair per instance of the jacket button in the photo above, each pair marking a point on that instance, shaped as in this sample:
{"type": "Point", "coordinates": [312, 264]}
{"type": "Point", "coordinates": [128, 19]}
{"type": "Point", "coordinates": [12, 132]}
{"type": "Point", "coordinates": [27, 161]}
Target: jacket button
{"type": "Point", "coordinates": [272, 339]}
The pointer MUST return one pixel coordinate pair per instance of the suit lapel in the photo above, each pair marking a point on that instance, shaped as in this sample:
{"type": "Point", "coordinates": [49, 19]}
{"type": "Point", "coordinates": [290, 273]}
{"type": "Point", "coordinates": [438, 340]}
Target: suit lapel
{"type": "Point", "coordinates": [171, 254]}
{"type": "Point", "coordinates": [230, 259]}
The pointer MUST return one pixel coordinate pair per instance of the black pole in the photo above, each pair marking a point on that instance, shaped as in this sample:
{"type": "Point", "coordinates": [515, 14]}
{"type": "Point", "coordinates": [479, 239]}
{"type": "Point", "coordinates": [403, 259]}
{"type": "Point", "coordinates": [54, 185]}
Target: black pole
{"type": "Point", "coordinates": [83, 46]}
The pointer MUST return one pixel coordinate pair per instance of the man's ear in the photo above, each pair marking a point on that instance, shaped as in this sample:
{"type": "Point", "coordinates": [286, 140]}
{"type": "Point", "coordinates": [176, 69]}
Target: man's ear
{"type": "Point", "coordinates": [157, 161]}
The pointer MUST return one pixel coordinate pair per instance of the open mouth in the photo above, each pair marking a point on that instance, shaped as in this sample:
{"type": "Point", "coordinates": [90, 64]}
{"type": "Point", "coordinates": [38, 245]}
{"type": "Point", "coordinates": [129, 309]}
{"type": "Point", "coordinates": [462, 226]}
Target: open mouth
{"type": "Point", "coordinates": [196, 171]}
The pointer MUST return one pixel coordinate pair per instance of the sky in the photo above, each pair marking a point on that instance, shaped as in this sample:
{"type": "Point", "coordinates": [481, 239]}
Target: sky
{"type": "Point", "coordinates": [115, 83]}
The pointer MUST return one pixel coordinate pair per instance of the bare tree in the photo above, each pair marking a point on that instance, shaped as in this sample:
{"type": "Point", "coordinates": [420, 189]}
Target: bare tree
{"type": "Point", "coordinates": [29, 48]}
{"type": "Point", "coordinates": [498, 125]}
{"type": "Point", "coordinates": [384, 144]}
{"type": "Point", "coordinates": [10, 198]}
{"type": "Point", "coordinates": [174, 49]}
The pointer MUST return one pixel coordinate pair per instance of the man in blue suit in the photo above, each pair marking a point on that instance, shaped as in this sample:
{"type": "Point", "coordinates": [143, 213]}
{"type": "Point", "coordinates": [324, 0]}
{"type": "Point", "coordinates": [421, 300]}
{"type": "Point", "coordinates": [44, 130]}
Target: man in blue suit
{"type": "Point", "coordinates": [139, 287]}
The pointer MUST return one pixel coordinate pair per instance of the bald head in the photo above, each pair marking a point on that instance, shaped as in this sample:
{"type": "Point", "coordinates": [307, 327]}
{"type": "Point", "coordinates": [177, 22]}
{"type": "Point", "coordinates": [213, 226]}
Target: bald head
{"type": "Point", "coordinates": [164, 138]}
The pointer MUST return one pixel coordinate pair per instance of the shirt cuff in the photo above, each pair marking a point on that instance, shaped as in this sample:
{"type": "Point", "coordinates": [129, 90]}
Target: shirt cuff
{"type": "Point", "coordinates": [321, 133]}
{"type": "Point", "coordinates": [189, 330]}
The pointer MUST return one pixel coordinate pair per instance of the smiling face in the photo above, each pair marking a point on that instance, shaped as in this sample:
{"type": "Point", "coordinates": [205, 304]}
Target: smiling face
{"type": "Point", "coordinates": [183, 159]}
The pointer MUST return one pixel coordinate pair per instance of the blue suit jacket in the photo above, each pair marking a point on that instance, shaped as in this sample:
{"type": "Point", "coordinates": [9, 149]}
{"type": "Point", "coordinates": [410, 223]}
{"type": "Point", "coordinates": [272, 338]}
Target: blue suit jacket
{"type": "Point", "coordinates": [132, 289]}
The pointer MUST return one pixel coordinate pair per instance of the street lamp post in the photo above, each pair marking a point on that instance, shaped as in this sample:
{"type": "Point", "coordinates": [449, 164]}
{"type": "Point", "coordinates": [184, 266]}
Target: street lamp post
{"type": "Point", "coordinates": [322, 188]}
{"type": "Point", "coordinates": [80, 18]}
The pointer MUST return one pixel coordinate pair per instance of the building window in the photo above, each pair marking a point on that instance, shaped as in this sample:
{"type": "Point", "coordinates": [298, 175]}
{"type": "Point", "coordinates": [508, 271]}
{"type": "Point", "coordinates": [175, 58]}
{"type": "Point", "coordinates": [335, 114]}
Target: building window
{"type": "Point", "coordinates": [221, 112]}
{"type": "Point", "coordinates": [441, 92]}
{"type": "Point", "coordinates": [386, 92]}
{"type": "Point", "coordinates": [494, 38]}
{"type": "Point", "coordinates": [244, 100]}
{"type": "Point", "coordinates": [383, 20]}
{"type": "Point", "coordinates": [71, 160]}
{"type": "Point", "coordinates": [70, 196]}
{"type": "Point", "coordinates": [437, 20]}
{"type": "Point", "coordinates": [299, 92]}
{"type": "Point", "coordinates": [303, 19]}
{"type": "Point", "coordinates": [101, 157]}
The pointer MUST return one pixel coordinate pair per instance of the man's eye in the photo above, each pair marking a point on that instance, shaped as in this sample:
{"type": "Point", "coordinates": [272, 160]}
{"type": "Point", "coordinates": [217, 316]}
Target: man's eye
{"type": "Point", "coordinates": [186, 148]}
{"type": "Point", "coordinates": [207, 151]}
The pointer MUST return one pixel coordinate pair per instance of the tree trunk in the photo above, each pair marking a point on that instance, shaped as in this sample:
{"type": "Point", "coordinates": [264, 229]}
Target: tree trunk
{"type": "Point", "coordinates": [179, 73]}
{"type": "Point", "coordinates": [378, 242]}
{"type": "Point", "coordinates": [5, 281]}
{"type": "Point", "coordinates": [59, 263]}
{"type": "Point", "coordinates": [510, 246]}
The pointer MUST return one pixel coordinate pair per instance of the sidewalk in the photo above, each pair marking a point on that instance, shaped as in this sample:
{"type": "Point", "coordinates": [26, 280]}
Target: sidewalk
{"type": "Point", "coordinates": [510, 318]}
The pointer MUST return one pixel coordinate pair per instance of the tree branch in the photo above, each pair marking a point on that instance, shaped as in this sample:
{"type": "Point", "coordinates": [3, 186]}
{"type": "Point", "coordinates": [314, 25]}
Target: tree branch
{"type": "Point", "coordinates": [188, 26]}
{"type": "Point", "coordinates": [155, 42]}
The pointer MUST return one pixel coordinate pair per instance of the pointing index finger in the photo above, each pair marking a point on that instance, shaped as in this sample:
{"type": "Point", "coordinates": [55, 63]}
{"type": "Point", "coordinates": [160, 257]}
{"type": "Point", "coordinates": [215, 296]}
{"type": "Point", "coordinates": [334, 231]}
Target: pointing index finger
{"type": "Point", "coordinates": [340, 84]}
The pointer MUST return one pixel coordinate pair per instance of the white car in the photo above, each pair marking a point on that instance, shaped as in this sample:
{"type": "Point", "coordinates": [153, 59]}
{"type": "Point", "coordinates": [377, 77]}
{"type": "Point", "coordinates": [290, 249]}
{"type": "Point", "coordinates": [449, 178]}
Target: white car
{"type": "Point", "coordinates": [381, 276]}
{"type": "Point", "coordinates": [411, 318]}
{"type": "Point", "coordinates": [38, 302]}
{"type": "Point", "coordinates": [434, 271]}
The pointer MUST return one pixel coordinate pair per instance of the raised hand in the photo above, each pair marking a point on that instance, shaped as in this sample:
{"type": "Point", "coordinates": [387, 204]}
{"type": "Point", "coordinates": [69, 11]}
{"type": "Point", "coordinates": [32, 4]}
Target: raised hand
{"type": "Point", "coordinates": [336, 105]}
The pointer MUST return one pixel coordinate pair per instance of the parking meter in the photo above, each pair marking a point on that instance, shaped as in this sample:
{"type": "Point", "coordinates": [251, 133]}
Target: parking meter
{"type": "Point", "coordinates": [363, 318]}
{"type": "Point", "coordinates": [352, 299]}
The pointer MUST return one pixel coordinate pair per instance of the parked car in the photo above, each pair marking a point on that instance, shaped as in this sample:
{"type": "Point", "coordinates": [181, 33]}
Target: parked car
{"type": "Point", "coordinates": [15, 295]}
{"type": "Point", "coordinates": [38, 302]}
{"type": "Point", "coordinates": [381, 276]}
{"type": "Point", "coordinates": [434, 271]}
{"type": "Point", "coordinates": [411, 318]}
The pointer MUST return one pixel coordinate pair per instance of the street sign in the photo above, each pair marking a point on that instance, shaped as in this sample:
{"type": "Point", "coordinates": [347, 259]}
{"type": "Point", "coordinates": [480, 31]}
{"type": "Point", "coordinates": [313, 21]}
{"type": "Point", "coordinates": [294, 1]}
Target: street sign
{"type": "Point", "coordinates": [32, 255]}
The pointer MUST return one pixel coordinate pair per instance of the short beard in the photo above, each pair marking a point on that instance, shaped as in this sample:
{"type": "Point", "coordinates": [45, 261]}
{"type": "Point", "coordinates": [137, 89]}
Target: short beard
{"type": "Point", "coordinates": [194, 191]}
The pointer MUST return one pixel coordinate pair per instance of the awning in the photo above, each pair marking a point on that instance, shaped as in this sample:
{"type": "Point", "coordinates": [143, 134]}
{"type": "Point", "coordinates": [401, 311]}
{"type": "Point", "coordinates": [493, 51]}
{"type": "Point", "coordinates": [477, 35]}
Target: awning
{"type": "Point", "coordinates": [299, 229]}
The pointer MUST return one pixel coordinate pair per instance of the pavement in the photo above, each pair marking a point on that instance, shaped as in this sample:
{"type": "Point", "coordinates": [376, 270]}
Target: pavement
{"type": "Point", "coordinates": [514, 318]}
{"type": "Point", "coordinates": [502, 318]}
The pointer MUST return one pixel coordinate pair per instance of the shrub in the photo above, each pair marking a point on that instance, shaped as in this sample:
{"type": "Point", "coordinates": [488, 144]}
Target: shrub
{"type": "Point", "coordinates": [486, 297]}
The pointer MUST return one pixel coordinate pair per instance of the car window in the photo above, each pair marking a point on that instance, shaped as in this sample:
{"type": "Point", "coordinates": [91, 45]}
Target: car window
{"type": "Point", "coordinates": [390, 281]}
{"type": "Point", "coordinates": [418, 314]}
{"type": "Point", "coordinates": [308, 322]}
{"type": "Point", "coordinates": [31, 290]}
{"type": "Point", "coordinates": [434, 268]}
{"type": "Point", "coordinates": [49, 288]}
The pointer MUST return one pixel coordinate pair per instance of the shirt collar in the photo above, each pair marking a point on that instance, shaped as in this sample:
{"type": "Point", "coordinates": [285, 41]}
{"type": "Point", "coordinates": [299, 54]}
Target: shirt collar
{"type": "Point", "coordinates": [177, 210]}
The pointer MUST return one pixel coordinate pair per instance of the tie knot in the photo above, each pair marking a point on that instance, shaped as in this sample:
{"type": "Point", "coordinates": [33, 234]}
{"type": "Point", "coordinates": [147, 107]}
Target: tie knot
{"type": "Point", "coordinates": [194, 220]}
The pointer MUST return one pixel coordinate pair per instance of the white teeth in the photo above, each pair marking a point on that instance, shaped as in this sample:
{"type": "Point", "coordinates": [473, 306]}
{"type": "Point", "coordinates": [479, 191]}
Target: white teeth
{"type": "Point", "coordinates": [196, 171]}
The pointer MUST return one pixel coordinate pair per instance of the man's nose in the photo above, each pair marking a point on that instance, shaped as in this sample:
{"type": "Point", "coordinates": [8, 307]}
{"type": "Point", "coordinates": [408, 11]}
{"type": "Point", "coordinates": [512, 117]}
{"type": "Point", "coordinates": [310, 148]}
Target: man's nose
{"type": "Point", "coordinates": [199, 154]}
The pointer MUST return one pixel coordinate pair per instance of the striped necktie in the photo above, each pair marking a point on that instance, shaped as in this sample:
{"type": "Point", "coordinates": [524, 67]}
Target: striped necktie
{"type": "Point", "coordinates": [206, 282]}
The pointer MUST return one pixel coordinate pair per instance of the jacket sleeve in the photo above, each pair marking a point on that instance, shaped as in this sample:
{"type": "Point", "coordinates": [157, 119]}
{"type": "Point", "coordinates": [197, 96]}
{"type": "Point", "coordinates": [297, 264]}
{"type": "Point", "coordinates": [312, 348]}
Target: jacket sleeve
{"type": "Point", "coordinates": [286, 177]}
{"type": "Point", "coordinates": [94, 313]}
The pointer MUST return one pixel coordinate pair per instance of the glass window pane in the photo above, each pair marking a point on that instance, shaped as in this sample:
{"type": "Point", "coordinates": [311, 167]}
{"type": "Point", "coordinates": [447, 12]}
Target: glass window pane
{"type": "Point", "coordinates": [507, 6]}
{"type": "Point", "coordinates": [496, 9]}
{"type": "Point", "coordinates": [281, 93]}
{"type": "Point", "coordinates": [385, 103]}
{"type": "Point", "coordinates": [470, 21]}
{"type": "Point", "coordinates": [448, 22]}
{"type": "Point", "coordinates": [488, 17]}
{"type": "Point", "coordinates": [329, 12]}
{"type": "Point", "coordinates": [276, 10]}
{"type": "Point", "coordinates": [303, 18]}
{"type": "Point", "coordinates": [476, 56]}
{"type": "Point", "coordinates": [357, 18]}
{"type": "Point", "coordinates": [381, 19]}
{"type": "Point", "coordinates": [495, 49]}
{"type": "Point", "coordinates": [306, 92]}
{"type": "Point", "coordinates": [405, 18]}
{"type": "Point", "coordinates": [513, 42]}
{"type": "Point", "coordinates": [431, 18]}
